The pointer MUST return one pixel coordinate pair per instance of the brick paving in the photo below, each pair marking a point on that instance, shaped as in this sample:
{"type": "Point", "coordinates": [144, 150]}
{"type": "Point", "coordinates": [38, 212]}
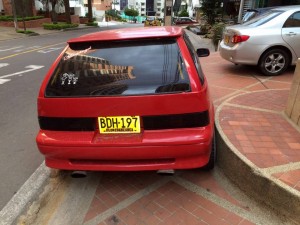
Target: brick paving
{"type": "Point", "coordinates": [252, 117]}
{"type": "Point", "coordinates": [176, 200]}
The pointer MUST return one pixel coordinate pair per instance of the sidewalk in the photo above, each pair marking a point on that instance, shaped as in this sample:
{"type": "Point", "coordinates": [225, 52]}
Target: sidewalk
{"type": "Point", "coordinates": [7, 33]}
{"type": "Point", "coordinates": [258, 148]}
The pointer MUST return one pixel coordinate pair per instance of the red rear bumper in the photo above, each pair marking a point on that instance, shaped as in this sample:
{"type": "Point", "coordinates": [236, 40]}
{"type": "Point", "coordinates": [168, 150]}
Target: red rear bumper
{"type": "Point", "coordinates": [151, 150]}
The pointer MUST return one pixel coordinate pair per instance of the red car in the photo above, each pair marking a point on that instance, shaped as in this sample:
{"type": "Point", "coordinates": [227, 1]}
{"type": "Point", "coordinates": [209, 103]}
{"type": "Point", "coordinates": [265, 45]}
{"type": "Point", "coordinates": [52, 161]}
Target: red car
{"type": "Point", "coordinates": [125, 100]}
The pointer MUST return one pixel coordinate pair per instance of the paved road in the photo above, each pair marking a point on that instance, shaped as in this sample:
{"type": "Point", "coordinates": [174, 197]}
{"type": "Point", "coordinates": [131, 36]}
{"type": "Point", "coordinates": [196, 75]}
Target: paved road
{"type": "Point", "coordinates": [23, 64]}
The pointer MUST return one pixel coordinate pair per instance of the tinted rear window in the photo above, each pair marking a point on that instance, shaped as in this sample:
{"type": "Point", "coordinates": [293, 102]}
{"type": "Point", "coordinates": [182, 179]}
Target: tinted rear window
{"type": "Point", "coordinates": [120, 68]}
{"type": "Point", "coordinates": [264, 18]}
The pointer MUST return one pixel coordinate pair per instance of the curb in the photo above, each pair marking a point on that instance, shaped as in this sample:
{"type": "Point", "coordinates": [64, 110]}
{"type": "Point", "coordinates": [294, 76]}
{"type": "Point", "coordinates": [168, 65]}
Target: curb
{"type": "Point", "coordinates": [252, 180]}
{"type": "Point", "coordinates": [25, 196]}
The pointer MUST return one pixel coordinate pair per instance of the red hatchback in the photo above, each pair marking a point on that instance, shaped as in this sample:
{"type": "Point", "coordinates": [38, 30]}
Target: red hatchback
{"type": "Point", "coordinates": [127, 99]}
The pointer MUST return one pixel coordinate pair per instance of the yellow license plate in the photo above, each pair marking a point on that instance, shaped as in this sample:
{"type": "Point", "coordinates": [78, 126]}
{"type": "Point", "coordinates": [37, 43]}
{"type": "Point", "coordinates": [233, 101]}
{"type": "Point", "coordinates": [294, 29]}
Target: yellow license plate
{"type": "Point", "coordinates": [226, 39]}
{"type": "Point", "coordinates": [119, 124]}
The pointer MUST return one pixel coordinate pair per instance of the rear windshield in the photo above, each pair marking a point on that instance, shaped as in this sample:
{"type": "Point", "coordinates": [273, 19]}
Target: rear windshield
{"type": "Point", "coordinates": [263, 18]}
{"type": "Point", "coordinates": [248, 15]}
{"type": "Point", "coordinates": [119, 68]}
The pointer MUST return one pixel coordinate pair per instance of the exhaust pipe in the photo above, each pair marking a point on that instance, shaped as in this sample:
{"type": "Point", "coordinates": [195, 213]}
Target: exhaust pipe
{"type": "Point", "coordinates": [166, 172]}
{"type": "Point", "coordinates": [78, 174]}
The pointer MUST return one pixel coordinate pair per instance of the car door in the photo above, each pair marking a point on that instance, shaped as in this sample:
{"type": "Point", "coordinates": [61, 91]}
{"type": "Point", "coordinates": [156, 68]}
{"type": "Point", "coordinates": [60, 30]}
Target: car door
{"type": "Point", "coordinates": [180, 21]}
{"type": "Point", "coordinates": [291, 32]}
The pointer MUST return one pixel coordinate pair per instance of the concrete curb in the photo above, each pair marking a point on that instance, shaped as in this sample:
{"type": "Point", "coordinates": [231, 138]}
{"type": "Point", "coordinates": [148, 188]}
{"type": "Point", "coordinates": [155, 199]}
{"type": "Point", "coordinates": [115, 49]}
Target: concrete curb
{"type": "Point", "coordinates": [255, 182]}
{"type": "Point", "coordinates": [25, 196]}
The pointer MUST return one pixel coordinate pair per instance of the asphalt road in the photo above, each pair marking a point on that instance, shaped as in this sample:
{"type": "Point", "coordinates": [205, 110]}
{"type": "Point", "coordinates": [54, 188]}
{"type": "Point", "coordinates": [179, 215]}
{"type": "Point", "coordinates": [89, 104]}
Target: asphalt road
{"type": "Point", "coordinates": [23, 65]}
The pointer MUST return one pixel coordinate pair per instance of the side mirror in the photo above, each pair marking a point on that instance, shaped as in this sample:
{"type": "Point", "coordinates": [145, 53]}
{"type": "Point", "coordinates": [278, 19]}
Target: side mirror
{"type": "Point", "coordinates": [203, 52]}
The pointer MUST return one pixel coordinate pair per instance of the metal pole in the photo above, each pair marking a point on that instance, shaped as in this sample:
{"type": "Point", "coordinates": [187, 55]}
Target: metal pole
{"type": "Point", "coordinates": [241, 11]}
{"type": "Point", "coordinates": [15, 14]}
{"type": "Point", "coordinates": [168, 12]}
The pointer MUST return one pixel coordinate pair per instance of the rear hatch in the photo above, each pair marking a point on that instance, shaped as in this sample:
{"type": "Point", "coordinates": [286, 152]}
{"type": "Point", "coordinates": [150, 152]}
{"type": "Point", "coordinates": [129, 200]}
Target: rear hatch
{"type": "Point", "coordinates": [143, 85]}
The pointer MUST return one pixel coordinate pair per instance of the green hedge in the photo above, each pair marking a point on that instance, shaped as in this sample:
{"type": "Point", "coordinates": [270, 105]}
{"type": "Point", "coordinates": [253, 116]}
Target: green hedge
{"type": "Point", "coordinates": [59, 26]}
{"type": "Point", "coordinates": [94, 24]}
{"type": "Point", "coordinates": [11, 18]}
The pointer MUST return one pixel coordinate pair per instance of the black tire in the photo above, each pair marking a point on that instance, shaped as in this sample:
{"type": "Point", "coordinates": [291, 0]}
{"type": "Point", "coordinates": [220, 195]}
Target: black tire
{"type": "Point", "coordinates": [213, 155]}
{"type": "Point", "coordinates": [274, 62]}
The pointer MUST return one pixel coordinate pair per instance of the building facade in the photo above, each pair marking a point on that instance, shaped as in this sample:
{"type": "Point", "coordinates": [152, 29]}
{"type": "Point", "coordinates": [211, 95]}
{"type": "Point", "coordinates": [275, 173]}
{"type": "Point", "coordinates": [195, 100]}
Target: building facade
{"type": "Point", "coordinates": [231, 8]}
{"type": "Point", "coordinates": [159, 7]}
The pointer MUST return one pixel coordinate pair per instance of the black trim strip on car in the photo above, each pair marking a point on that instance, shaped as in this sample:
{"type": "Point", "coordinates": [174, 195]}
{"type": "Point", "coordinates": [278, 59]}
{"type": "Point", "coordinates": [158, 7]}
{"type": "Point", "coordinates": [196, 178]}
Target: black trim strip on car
{"type": "Point", "coordinates": [188, 120]}
{"type": "Point", "coordinates": [67, 124]}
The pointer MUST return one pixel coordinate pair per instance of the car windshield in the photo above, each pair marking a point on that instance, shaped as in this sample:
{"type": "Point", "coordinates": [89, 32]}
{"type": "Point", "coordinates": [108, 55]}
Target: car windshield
{"type": "Point", "coordinates": [263, 18]}
{"type": "Point", "coordinates": [120, 68]}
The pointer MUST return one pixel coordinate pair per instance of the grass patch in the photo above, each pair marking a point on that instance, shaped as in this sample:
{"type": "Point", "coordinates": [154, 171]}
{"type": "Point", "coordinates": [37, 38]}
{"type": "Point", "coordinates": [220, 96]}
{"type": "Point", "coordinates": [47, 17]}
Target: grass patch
{"type": "Point", "coordinates": [25, 32]}
{"type": "Point", "coordinates": [59, 26]}
{"type": "Point", "coordinates": [94, 24]}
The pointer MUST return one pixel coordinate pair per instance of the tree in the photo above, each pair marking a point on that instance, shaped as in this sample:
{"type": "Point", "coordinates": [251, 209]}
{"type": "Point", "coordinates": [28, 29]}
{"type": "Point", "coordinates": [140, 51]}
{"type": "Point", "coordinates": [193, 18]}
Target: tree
{"type": "Point", "coordinates": [211, 10]}
{"type": "Point", "coordinates": [53, 12]}
{"type": "Point", "coordinates": [131, 12]}
{"type": "Point", "coordinates": [183, 13]}
{"type": "Point", "coordinates": [67, 11]}
{"type": "Point", "coordinates": [24, 7]}
{"type": "Point", "coordinates": [46, 5]}
{"type": "Point", "coordinates": [53, 6]}
{"type": "Point", "coordinates": [90, 11]}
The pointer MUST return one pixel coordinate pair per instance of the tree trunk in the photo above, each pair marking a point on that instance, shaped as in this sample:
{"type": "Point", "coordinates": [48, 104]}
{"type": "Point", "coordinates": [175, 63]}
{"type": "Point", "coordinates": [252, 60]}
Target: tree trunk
{"type": "Point", "coordinates": [24, 7]}
{"type": "Point", "coordinates": [47, 9]}
{"type": "Point", "coordinates": [53, 12]}
{"type": "Point", "coordinates": [90, 11]}
{"type": "Point", "coordinates": [68, 13]}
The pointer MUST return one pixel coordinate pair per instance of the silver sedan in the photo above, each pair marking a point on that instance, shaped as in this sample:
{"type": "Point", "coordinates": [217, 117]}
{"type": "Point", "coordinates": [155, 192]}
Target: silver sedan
{"type": "Point", "coordinates": [270, 41]}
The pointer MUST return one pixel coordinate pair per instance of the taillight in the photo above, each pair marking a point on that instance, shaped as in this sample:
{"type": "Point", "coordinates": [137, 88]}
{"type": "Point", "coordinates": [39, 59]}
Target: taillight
{"type": "Point", "coordinates": [239, 38]}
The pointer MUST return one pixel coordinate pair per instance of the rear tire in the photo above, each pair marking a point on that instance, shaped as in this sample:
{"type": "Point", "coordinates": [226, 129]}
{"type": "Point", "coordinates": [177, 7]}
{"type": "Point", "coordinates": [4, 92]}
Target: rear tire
{"type": "Point", "coordinates": [213, 155]}
{"type": "Point", "coordinates": [274, 62]}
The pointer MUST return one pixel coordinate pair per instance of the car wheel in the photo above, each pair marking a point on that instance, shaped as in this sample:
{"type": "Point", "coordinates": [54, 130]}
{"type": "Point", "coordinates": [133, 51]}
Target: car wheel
{"type": "Point", "coordinates": [274, 62]}
{"type": "Point", "coordinates": [213, 155]}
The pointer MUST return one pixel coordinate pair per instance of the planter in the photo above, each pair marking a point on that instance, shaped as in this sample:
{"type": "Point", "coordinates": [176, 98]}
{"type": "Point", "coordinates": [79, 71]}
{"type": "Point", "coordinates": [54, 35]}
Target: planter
{"type": "Point", "coordinates": [83, 20]}
{"type": "Point", "coordinates": [62, 18]}
{"type": "Point", "coordinates": [28, 24]}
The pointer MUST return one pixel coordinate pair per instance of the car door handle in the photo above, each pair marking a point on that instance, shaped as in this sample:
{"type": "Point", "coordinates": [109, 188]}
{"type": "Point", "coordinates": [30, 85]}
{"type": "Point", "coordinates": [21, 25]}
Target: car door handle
{"type": "Point", "coordinates": [291, 34]}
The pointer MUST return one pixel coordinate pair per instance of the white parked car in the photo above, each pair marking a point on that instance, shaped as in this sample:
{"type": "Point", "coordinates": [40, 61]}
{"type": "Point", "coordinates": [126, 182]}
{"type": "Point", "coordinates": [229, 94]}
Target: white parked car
{"type": "Point", "coordinates": [270, 41]}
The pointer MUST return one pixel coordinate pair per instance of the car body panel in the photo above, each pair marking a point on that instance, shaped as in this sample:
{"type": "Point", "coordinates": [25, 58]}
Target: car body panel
{"type": "Point", "coordinates": [185, 21]}
{"type": "Point", "coordinates": [253, 48]}
{"type": "Point", "coordinates": [291, 35]}
{"type": "Point", "coordinates": [187, 148]}
{"type": "Point", "coordinates": [129, 34]}
{"type": "Point", "coordinates": [264, 36]}
{"type": "Point", "coordinates": [151, 149]}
